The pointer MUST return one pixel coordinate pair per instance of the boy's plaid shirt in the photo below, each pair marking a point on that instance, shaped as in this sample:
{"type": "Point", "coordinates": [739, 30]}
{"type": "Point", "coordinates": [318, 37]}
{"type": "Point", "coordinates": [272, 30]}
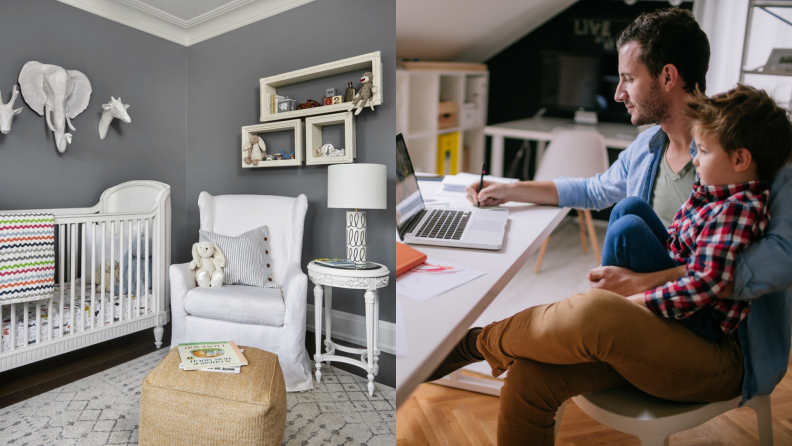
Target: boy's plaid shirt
{"type": "Point", "coordinates": [708, 232]}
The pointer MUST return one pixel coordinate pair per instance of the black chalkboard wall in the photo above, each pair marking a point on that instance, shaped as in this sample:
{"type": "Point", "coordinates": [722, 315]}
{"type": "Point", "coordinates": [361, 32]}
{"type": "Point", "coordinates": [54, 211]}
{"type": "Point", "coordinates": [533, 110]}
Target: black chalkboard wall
{"type": "Point", "coordinates": [521, 76]}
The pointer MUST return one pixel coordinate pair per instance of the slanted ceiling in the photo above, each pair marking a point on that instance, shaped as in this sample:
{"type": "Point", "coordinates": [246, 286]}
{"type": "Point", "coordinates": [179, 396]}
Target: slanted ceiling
{"type": "Point", "coordinates": [467, 30]}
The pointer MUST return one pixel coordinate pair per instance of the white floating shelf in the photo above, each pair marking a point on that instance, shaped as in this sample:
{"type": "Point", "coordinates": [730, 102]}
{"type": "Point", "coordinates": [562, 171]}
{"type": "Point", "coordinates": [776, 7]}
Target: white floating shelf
{"type": "Point", "coordinates": [313, 138]}
{"type": "Point", "coordinates": [269, 85]}
{"type": "Point", "coordinates": [295, 125]}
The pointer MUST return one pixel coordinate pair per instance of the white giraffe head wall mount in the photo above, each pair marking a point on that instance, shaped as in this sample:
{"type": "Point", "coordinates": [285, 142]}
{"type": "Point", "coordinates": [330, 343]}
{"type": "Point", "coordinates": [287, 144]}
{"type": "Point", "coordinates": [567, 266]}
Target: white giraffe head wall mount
{"type": "Point", "coordinates": [7, 112]}
{"type": "Point", "coordinates": [115, 109]}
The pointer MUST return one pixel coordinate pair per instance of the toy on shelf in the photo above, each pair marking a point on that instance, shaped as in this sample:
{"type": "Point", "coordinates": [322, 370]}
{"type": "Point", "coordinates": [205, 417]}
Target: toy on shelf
{"type": "Point", "coordinates": [256, 151]}
{"type": "Point", "coordinates": [337, 100]}
{"type": "Point", "coordinates": [364, 94]}
{"type": "Point", "coordinates": [285, 104]}
{"type": "Point", "coordinates": [328, 101]}
{"type": "Point", "coordinates": [330, 92]}
{"type": "Point", "coordinates": [349, 96]}
{"type": "Point", "coordinates": [328, 150]}
{"type": "Point", "coordinates": [310, 104]}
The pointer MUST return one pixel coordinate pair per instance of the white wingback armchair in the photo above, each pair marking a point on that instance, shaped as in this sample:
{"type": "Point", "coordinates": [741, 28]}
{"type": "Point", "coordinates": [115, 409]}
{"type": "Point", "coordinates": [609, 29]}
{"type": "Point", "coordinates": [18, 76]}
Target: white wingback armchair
{"type": "Point", "coordinates": [267, 318]}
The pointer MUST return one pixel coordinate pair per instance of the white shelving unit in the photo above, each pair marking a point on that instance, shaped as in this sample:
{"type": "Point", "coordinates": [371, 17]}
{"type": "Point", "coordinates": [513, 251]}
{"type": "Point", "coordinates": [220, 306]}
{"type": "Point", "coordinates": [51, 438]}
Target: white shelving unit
{"type": "Point", "coordinates": [366, 62]}
{"type": "Point", "coordinates": [775, 82]}
{"type": "Point", "coordinates": [418, 94]}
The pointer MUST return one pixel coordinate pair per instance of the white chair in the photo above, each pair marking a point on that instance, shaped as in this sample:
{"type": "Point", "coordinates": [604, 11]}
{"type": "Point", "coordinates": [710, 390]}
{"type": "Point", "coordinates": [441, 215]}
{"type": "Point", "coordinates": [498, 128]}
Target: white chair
{"type": "Point", "coordinates": [267, 318]}
{"type": "Point", "coordinates": [574, 154]}
{"type": "Point", "coordinates": [653, 419]}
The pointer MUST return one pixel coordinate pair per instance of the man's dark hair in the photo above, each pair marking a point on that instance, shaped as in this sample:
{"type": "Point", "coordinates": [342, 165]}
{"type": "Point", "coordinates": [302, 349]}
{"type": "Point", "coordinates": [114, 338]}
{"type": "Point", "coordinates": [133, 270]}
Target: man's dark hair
{"type": "Point", "coordinates": [745, 118]}
{"type": "Point", "coordinates": [671, 36]}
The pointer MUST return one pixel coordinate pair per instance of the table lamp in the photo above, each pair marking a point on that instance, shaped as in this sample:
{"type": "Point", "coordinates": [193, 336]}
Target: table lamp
{"type": "Point", "coordinates": [358, 186]}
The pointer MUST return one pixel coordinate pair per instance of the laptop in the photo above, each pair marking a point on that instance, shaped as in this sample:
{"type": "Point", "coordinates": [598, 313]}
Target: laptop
{"type": "Point", "coordinates": [461, 228]}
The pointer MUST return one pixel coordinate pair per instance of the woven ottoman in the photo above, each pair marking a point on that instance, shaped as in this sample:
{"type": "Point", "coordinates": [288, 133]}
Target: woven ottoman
{"type": "Point", "coordinates": [211, 408]}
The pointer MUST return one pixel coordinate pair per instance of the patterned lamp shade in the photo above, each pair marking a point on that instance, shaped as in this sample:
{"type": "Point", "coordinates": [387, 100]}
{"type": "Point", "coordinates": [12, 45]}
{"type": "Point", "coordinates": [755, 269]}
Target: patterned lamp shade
{"type": "Point", "coordinates": [359, 186]}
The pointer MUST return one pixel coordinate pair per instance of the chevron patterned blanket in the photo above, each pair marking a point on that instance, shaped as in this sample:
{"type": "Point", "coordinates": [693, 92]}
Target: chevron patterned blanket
{"type": "Point", "coordinates": [27, 257]}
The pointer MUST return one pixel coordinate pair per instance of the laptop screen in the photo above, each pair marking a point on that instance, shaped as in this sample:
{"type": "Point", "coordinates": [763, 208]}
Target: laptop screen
{"type": "Point", "coordinates": [408, 196]}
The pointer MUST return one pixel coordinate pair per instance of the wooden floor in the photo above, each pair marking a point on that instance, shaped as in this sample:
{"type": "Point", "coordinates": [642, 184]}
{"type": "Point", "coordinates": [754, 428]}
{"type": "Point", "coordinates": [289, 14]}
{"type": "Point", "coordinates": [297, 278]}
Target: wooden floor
{"type": "Point", "coordinates": [437, 415]}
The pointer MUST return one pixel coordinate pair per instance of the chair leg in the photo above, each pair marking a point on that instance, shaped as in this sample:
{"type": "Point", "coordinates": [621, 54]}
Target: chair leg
{"type": "Point", "coordinates": [558, 417]}
{"type": "Point", "coordinates": [541, 254]}
{"type": "Point", "coordinates": [582, 225]}
{"type": "Point", "coordinates": [654, 441]}
{"type": "Point", "coordinates": [764, 418]}
{"type": "Point", "coordinates": [592, 235]}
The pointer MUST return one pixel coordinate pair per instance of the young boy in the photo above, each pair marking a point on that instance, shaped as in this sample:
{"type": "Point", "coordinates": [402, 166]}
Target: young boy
{"type": "Point", "coordinates": [743, 139]}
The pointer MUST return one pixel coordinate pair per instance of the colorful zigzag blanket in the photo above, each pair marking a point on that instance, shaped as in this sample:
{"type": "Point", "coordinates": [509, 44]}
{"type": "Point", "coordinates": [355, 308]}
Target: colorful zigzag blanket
{"type": "Point", "coordinates": [27, 257]}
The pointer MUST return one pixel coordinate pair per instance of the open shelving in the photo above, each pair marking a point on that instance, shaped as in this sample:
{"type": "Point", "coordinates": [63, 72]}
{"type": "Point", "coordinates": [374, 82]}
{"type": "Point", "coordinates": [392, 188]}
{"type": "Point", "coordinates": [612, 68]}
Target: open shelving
{"type": "Point", "coordinates": [418, 94]}
{"type": "Point", "coordinates": [269, 85]}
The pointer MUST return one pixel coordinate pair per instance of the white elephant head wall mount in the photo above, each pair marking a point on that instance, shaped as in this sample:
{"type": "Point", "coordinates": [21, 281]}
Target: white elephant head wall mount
{"type": "Point", "coordinates": [58, 94]}
{"type": "Point", "coordinates": [7, 112]}
{"type": "Point", "coordinates": [115, 109]}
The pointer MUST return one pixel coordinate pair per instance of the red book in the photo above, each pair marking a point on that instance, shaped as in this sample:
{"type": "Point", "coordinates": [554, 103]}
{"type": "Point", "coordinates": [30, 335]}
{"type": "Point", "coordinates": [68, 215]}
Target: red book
{"type": "Point", "coordinates": [407, 258]}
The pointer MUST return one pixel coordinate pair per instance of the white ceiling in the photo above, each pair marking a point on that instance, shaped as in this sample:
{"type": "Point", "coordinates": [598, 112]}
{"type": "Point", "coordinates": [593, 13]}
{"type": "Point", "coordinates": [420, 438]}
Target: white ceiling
{"type": "Point", "coordinates": [467, 30]}
{"type": "Point", "coordinates": [186, 21]}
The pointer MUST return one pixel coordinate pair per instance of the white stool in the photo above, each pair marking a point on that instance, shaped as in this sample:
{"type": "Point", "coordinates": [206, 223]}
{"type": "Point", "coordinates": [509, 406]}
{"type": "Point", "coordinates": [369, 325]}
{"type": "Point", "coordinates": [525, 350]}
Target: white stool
{"type": "Point", "coordinates": [324, 278]}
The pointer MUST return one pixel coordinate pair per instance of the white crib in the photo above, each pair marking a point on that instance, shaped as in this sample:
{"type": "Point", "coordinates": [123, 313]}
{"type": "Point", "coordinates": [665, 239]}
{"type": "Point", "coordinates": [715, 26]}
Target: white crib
{"type": "Point", "coordinates": [38, 330]}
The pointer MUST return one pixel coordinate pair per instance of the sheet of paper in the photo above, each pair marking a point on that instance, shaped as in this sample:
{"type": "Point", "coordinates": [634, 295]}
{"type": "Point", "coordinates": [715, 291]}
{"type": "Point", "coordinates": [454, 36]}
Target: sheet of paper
{"type": "Point", "coordinates": [402, 347]}
{"type": "Point", "coordinates": [433, 278]}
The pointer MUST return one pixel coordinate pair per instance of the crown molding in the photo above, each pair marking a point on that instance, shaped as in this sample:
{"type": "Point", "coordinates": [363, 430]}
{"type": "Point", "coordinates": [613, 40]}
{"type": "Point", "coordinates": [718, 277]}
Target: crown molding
{"type": "Point", "coordinates": [221, 20]}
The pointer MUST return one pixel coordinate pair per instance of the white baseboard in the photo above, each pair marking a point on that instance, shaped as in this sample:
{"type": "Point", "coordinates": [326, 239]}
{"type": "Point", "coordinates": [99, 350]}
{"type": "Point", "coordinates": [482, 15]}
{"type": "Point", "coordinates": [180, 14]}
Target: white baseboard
{"type": "Point", "coordinates": [352, 328]}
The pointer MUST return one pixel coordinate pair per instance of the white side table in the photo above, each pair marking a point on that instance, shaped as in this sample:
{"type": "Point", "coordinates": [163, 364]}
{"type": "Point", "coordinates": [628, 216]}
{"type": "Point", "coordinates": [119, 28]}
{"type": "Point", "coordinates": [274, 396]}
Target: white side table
{"type": "Point", "coordinates": [324, 278]}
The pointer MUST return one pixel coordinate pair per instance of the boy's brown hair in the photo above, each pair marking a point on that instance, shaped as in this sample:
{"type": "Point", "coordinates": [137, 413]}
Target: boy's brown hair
{"type": "Point", "coordinates": [745, 118]}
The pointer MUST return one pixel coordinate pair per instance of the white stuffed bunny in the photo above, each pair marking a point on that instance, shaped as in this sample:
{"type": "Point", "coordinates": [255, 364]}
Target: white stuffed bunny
{"type": "Point", "coordinates": [208, 262]}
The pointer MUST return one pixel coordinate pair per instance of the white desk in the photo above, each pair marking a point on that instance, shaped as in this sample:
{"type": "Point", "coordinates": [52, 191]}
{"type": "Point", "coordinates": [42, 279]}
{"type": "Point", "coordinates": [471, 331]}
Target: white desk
{"type": "Point", "coordinates": [617, 136]}
{"type": "Point", "coordinates": [435, 326]}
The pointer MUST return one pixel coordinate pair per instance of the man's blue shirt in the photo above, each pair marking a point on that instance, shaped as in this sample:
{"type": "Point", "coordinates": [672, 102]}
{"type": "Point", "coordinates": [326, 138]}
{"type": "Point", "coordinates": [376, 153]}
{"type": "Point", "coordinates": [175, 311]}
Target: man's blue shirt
{"type": "Point", "coordinates": [763, 269]}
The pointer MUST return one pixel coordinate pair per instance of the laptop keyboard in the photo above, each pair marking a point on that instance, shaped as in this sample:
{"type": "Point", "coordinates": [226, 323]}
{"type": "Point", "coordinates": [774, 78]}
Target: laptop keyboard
{"type": "Point", "coordinates": [448, 225]}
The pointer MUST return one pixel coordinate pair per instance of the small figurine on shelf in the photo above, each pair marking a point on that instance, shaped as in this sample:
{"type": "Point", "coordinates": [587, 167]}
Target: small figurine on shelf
{"type": "Point", "coordinates": [310, 104]}
{"type": "Point", "coordinates": [328, 150]}
{"type": "Point", "coordinates": [256, 151]}
{"type": "Point", "coordinates": [278, 156]}
{"type": "Point", "coordinates": [365, 94]}
{"type": "Point", "coordinates": [350, 93]}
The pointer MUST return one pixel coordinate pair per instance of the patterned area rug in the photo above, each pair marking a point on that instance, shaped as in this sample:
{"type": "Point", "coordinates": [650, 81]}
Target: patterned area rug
{"type": "Point", "coordinates": [103, 409]}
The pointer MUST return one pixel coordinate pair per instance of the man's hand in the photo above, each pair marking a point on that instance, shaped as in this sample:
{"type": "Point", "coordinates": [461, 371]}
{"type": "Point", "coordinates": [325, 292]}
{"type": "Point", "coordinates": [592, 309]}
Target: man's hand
{"type": "Point", "coordinates": [492, 194]}
{"type": "Point", "coordinates": [617, 279]}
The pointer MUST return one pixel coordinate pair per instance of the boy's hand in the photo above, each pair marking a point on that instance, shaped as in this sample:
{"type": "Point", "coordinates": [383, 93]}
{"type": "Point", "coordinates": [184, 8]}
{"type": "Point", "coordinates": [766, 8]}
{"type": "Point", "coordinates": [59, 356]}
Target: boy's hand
{"type": "Point", "coordinates": [726, 291]}
{"type": "Point", "coordinates": [616, 279]}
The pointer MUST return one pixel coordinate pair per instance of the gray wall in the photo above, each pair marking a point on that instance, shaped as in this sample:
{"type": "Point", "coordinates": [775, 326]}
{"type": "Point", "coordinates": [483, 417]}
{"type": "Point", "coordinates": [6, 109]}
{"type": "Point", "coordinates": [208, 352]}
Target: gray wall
{"type": "Point", "coordinates": [223, 86]}
{"type": "Point", "coordinates": [148, 72]}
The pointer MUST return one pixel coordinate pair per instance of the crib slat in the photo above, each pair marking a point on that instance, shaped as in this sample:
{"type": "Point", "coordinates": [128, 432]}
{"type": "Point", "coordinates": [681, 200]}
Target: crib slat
{"type": "Point", "coordinates": [146, 285]}
{"type": "Point", "coordinates": [137, 277]}
{"type": "Point", "coordinates": [38, 322]}
{"type": "Point", "coordinates": [25, 325]}
{"type": "Point", "coordinates": [82, 280]}
{"type": "Point", "coordinates": [121, 270]}
{"type": "Point", "coordinates": [13, 327]}
{"type": "Point", "coordinates": [104, 268]}
{"type": "Point", "coordinates": [73, 275]}
{"type": "Point", "coordinates": [129, 275]}
{"type": "Point", "coordinates": [62, 256]}
{"type": "Point", "coordinates": [93, 274]}
{"type": "Point", "coordinates": [112, 272]}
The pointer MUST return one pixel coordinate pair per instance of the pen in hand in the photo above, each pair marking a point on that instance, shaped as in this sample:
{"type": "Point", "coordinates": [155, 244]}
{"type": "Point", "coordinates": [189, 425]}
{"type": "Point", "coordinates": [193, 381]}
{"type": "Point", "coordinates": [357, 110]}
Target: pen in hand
{"type": "Point", "coordinates": [481, 183]}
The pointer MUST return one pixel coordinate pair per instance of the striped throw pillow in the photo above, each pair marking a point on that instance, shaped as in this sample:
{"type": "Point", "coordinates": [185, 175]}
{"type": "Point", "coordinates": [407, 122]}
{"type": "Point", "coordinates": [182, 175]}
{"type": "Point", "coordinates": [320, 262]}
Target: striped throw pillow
{"type": "Point", "coordinates": [247, 257]}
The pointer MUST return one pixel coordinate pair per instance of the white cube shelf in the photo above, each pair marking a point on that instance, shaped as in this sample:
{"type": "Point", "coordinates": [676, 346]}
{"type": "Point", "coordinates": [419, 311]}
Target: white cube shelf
{"type": "Point", "coordinates": [295, 124]}
{"type": "Point", "coordinates": [313, 138]}
{"type": "Point", "coordinates": [269, 85]}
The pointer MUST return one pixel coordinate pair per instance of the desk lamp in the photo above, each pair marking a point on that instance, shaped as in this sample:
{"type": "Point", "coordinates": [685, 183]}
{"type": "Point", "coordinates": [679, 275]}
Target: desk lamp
{"type": "Point", "coordinates": [356, 186]}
